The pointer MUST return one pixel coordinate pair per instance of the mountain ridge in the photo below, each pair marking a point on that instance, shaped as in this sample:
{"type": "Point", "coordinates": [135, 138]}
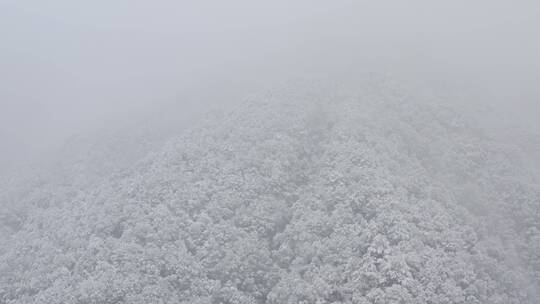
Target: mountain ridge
{"type": "Point", "coordinates": [309, 194]}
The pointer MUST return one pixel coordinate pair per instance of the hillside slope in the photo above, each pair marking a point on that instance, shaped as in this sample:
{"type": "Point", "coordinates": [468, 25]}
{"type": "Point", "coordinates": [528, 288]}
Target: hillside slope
{"type": "Point", "coordinates": [309, 194]}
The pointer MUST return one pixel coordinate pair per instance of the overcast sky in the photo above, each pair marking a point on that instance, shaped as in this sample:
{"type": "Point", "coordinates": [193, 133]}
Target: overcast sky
{"type": "Point", "coordinates": [67, 66]}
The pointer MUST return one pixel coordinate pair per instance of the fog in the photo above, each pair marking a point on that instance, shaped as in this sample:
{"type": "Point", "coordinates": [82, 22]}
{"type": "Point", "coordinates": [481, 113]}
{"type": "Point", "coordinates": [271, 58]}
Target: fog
{"type": "Point", "coordinates": [68, 66]}
{"type": "Point", "coordinates": [269, 151]}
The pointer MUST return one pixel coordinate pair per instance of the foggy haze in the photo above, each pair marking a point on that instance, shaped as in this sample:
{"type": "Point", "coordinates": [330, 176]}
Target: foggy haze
{"type": "Point", "coordinates": [269, 151]}
{"type": "Point", "coordinates": [67, 66]}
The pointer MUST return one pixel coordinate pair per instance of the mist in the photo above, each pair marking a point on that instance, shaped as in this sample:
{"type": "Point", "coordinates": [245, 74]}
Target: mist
{"type": "Point", "coordinates": [397, 140]}
{"type": "Point", "coordinates": [69, 66]}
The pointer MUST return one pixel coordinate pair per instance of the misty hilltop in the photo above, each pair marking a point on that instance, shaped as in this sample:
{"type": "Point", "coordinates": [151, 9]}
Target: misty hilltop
{"type": "Point", "coordinates": [315, 192]}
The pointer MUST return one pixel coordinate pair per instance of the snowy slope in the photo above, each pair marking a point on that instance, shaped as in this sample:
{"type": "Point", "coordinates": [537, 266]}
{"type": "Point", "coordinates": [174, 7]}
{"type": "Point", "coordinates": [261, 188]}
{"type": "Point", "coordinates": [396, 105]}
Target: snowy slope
{"type": "Point", "coordinates": [312, 193]}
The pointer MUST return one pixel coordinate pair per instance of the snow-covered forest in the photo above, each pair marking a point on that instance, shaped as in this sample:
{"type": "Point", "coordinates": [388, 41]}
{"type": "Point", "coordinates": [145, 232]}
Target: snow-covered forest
{"type": "Point", "coordinates": [309, 193]}
{"type": "Point", "coordinates": [269, 153]}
